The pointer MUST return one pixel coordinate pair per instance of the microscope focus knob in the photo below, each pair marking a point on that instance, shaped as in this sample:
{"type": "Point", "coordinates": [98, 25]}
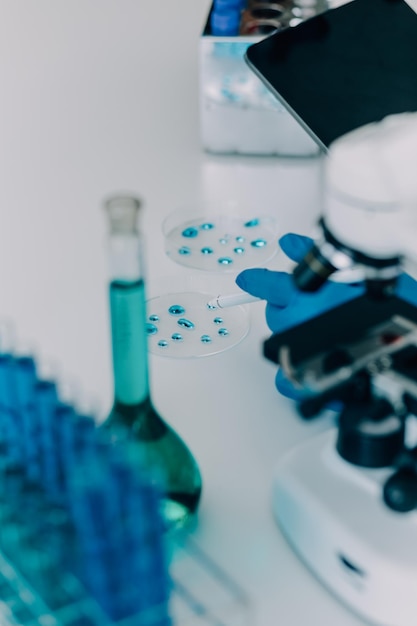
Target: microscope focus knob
{"type": "Point", "coordinates": [400, 491]}
{"type": "Point", "coordinates": [370, 433]}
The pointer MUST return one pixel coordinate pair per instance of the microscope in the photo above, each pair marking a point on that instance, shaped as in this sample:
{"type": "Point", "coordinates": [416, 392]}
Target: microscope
{"type": "Point", "coordinates": [346, 500]}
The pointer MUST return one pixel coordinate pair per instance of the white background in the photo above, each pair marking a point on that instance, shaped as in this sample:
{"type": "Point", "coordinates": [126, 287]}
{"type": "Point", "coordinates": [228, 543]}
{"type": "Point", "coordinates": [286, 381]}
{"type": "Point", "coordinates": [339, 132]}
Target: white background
{"type": "Point", "coordinates": [98, 96]}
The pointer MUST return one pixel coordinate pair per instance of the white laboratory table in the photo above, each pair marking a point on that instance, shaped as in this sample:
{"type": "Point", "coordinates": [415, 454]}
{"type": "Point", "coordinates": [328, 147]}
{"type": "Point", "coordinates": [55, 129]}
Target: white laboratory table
{"type": "Point", "coordinates": [99, 96]}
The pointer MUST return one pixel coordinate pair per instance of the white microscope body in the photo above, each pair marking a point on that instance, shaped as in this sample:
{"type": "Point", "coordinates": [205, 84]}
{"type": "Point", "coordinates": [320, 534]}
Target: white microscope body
{"type": "Point", "coordinates": [331, 511]}
{"type": "Point", "coordinates": [370, 187]}
{"type": "Point", "coordinates": [333, 515]}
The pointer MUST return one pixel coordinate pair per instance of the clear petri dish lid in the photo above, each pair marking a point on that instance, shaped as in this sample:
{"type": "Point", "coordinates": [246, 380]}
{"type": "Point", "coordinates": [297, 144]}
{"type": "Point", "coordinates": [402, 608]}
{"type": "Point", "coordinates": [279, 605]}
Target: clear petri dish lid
{"type": "Point", "coordinates": [220, 241]}
{"type": "Point", "coordinates": [180, 324]}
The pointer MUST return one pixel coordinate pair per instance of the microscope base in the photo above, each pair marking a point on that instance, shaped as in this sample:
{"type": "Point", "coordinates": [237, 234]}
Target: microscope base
{"type": "Point", "coordinates": [333, 515]}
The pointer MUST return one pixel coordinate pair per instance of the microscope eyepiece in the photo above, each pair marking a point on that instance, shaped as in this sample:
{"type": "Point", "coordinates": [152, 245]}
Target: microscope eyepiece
{"type": "Point", "coordinates": [313, 271]}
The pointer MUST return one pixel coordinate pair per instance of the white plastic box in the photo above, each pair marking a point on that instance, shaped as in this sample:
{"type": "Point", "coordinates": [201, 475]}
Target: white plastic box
{"type": "Point", "coordinates": [238, 114]}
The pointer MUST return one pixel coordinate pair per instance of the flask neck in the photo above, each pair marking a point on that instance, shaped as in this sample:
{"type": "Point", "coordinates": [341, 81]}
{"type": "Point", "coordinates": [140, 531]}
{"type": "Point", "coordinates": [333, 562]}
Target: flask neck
{"type": "Point", "coordinates": [128, 319]}
{"type": "Point", "coordinates": [126, 257]}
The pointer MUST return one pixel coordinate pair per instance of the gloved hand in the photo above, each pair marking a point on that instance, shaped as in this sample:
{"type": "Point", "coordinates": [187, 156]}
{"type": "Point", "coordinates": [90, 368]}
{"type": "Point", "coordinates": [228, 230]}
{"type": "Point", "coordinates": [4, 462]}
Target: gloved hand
{"type": "Point", "coordinates": [287, 306]}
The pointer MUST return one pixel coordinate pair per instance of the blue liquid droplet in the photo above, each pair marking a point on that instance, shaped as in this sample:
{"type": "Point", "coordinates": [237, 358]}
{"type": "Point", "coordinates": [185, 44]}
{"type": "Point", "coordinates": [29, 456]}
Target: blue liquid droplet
{"type": "Point", "coordinates": [154, 318]}
{"type": "Point", "coordinates": [184, 323]}
{"type": "Point", "coordinates": [252, 223]}
{"type": "Point", "coordinates": [151, 329]}
{"type": "Point", "coordinates": [190, 232]}
{"type": "Point", "coordinates": [239, 250]}
{"type": "Point", "coordinates": [211, 306]}
{"type": "Point", "coordinates": [218, 320]}
{"type": "Point", "coordinates": [207, 226]}
{"type": "Point", "coordinates": [225, 260]}
{"type": "Point", "coordinates": [162, 343]}
{"type": "Point", "coordinates": [207, 250]}
{"type": "Point", "coordinates": [176, 309]}
{"type": "Point", "coordinates": [184, 250]}
{"type": "Point", "coordinates": [176, 337]}
{"type": "Point", "coordinates": [240, 239]}
{"type": "Point", "coordinates": [223, 332]}
{"type": "Point", "coordinates": [223, 241]}
{"type": "Point", "coordinates": [205, 338]}
{"type": "Point", "coordinates": [258, 243]}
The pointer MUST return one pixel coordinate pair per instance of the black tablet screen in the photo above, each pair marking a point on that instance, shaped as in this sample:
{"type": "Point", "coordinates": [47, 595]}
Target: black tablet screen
{"type": "Point", "coordinates": [342, 69]}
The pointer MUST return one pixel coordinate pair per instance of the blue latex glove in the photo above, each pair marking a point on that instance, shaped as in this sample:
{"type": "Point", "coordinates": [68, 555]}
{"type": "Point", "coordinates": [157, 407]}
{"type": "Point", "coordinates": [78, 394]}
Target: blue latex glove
{"type": "Point", "coordinates": [287, 306]}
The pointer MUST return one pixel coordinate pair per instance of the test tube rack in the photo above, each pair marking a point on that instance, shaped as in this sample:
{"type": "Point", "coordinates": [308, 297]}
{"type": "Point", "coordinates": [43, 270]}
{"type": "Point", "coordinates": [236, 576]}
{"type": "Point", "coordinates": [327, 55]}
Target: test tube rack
{"type": "Point", "coordinates": [82, 541]}
{"type": "Point", "coordinates": [81, 538]}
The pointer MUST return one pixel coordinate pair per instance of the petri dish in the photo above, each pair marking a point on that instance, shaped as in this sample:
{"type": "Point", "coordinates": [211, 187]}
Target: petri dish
{"type": "Point", "coordinates": [180, 325]}
{"type": "Point", "coordinates": [219, 242]}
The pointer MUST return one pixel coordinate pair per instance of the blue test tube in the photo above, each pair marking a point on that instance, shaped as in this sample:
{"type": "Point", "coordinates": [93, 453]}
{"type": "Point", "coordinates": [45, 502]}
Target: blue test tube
{"type": "Point", "coordinates": [85, 436]}
{"type": "Point", "coordinates": [94, 503]}
{"type": "Point", "coordinates": [121, 477]}
{"type": "Point", "coordinates": [9, 415]}
{"type": "Point", "coordinates": [225, 22]}
{"type": "Point", "coordinates": [66, 444]}
{"type": "Point", "coordinates": [144, 544]}
{"type": "Point", "coordinates": [97, 521]}
{"type": "Point", "coordinates": [145, 574]}
{"type": "Point", "coordinates": [226, 5]}
{"type": "Point", "coordinates": [46, 403]}
{"type": "Point", "coordinates": [25, 374]}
